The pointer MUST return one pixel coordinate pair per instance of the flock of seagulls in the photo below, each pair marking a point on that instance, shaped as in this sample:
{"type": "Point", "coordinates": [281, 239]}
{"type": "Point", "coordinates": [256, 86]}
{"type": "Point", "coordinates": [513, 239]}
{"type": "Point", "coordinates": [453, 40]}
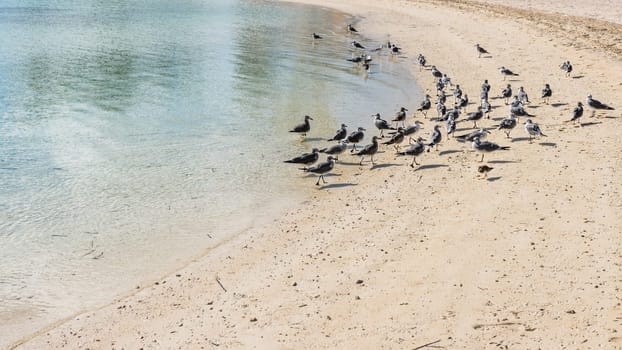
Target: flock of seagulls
{"type": "Point", "coordinates": [399, 131]}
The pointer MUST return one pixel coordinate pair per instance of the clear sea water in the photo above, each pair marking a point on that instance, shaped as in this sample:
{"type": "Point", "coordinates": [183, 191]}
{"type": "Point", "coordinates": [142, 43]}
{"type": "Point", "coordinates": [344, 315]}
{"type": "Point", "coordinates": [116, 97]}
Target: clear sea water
{"type": "Point", "coordinates": [136, 134]}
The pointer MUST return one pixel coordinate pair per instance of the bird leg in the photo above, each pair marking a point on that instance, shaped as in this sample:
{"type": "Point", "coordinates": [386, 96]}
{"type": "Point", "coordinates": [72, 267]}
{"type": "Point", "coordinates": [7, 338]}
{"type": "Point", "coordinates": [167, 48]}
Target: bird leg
{"type": "Point", "coordinates": [361, 162]}
{"type": "Point", "coordinates": [372, 160]}
{"type": "Point", "coordinates": [481, 160]}
{"type": "Point", "coordinates": [414, 162]}
{"type": "Point", "coordinates": [475, 124]}
{"type": "Point", "coordinates": [322, 176]}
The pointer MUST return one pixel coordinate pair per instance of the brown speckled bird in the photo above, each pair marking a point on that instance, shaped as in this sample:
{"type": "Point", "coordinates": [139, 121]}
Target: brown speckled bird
{"type": "Point", "coordinates": [484, 169]}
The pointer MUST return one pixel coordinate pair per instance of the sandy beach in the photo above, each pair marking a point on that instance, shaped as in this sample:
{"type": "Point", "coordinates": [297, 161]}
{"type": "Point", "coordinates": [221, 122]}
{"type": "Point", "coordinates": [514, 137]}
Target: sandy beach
{"type": "Point", "coordinates": [395, 257]}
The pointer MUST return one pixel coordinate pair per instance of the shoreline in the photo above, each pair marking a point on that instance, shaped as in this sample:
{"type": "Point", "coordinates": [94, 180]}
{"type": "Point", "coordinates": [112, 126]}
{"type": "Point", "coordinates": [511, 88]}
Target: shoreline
{"type": "Point", "coordinates": [221, 236]}
{"type": "Point", "coordinates": [401, 242]}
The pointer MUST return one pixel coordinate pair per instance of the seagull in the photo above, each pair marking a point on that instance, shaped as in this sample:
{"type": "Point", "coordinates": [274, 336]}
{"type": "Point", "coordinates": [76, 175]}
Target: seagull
{"type": "Point", "coordinates": [577, 113]}
{"type": "Point", "coordinates": [517, 109]}
{"type": "Point", "coordinates": [533, 129]}
{"type": "Point", "coordinates": [505, 72]}
{"type": "Point", "coordinates": [436, 73]}
{"type": "Point", "coordinates": [546, 93]}
{"type": "Point", "coordinates": [450, 126]}
{"type": "Point", "coordinates": [304, 127]}
{"type": "Point", "coordinates": [305, 158]}
{"type": "Point", "coordinates": [566, 67]}
{"type": "Point", "coordinates": [486, 147]}
{"type": "Point", "coordinates": [596, 104]}
{"type": "Point", "coordinates": [486, 86]}
{"type": "Point", "coordinates": [336, 149]}
{"type": "Point", "coordinates": [475, 116]}
{"type": "Point", "coordinates": [316, 36]}
{"type": "Point", "coordinates": [483, 95]}
{"type": "Point", "coordinates": [351, 29]}
{"type": "Point", "coordinates": [508, 124]}
{"type": "Point", "coordinates": [340, 134]}
{"type": "Point", "coordinates": [507, 93]}
{"type": "Point", "coordinates": [486, 108]}
{"type": "Point", "coordinates": [457, 92]}
{"type": "Point", "coordinates": [441, 109]}
{"type": "Point", "coordinates": [451, 113]}
{"type": "Point", "coordinates": [446, 80]}
{"type": "Point", "coordinates": [522, 95]}
{"type": "Point", "coordinates": [414, 150]}
{"type": "Point", "coordinates": [480, 50]}
{"type": "Point", "coordinates": [440, 85]}
{"type": "Point", "coordinates": [400, 116]}
{"type": "Point", "coordinates": [396, 139]}
{"type": "Point", "coordinates": [321, 169]}
{"type": "Point", "coordinates": [421, 61]}
{"type": "Point", "coordinates": [357, 45]}
{"type": "Point", "coordinates": [395, 50]}
{"type": "Point", "coordinates": [370, 150]}
{"type": "Point", "coordinates": [464, 101]}
{"type": "Point", "coordinates": [484, 169]}
{"type": "Point", "coordinates": [355, 137]}
{"type": "Point", "coordinates": [441, 97]}
{"type": "Point", "coordinates": [425, 105]}
{"type": "Point", "coordinates": [412, 129]}
{"type": "Point", "coordinates": [477, 134]}
{"type": "Point", "coordinates": [435, 138]}
{"type": "Point", "coordinates": [381, 124]}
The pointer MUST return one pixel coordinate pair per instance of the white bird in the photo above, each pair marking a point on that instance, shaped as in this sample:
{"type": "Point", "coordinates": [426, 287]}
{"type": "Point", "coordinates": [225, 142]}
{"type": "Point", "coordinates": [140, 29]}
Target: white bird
{"type": "Point", "coordinates": [533, 129]}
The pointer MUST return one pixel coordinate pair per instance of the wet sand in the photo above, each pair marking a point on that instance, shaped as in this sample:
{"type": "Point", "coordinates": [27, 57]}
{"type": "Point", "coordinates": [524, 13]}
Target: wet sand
{"type": "Point", "coordinates": [394, 257]}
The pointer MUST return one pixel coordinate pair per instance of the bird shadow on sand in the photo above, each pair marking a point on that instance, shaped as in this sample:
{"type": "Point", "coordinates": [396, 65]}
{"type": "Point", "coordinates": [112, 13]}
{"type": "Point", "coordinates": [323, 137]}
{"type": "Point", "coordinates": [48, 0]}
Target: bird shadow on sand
{"type": "Point", "coordinates": [497, 118]}
{"type": "Point", "coordinates": [385, 165]}
{"type": "Point", "coordinates": [577, 76]}
{"type": "Point", "coordinates": [533, 106]}
{"type": "Point", "coordinates": [449, 151]}
{"type": "Point", "coordinates": [489, 56]}
{"type": "Point", "coordinates": [493, 179]}
{"type": "Point", "coordinates": [548, 144]}
{"type": "Point", "coordinates": [503, 161]}
{"type": "Point", "coordinates": [590, 123]}
{"type": "Point", "coordinates": [312, 139]}
{"type": "Point", "coordinates": [558, 104]}
{"type": "Point", "coordinates": [520, 139]}
{"type": "Point", "coordinates": [338, 185]}
{"type": "Point", "coordinates": [514, 80]}
{"type": "Point", "coordinates": [348, 163]}
{"type": "Point", "coordinates": [431, 166]}
{"type": "Point", "coordinates": [465, 129]}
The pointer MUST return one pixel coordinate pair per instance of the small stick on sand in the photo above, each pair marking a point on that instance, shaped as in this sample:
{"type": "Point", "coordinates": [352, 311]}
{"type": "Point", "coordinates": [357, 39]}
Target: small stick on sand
{"type": "Point", "coordinates": [221, 286]}
{"type": "Point", "coordinates": [426, 345]}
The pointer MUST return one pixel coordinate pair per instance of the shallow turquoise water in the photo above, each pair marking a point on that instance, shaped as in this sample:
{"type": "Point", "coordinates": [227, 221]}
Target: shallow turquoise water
{"type": "Point", "coordinates": [134, 135]}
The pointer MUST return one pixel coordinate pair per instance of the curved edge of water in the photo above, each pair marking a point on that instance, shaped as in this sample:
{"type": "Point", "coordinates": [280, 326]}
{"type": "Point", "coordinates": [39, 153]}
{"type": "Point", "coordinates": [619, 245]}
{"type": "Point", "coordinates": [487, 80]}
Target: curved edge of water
{"type": "Point", "coordinates": [281, 207]}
